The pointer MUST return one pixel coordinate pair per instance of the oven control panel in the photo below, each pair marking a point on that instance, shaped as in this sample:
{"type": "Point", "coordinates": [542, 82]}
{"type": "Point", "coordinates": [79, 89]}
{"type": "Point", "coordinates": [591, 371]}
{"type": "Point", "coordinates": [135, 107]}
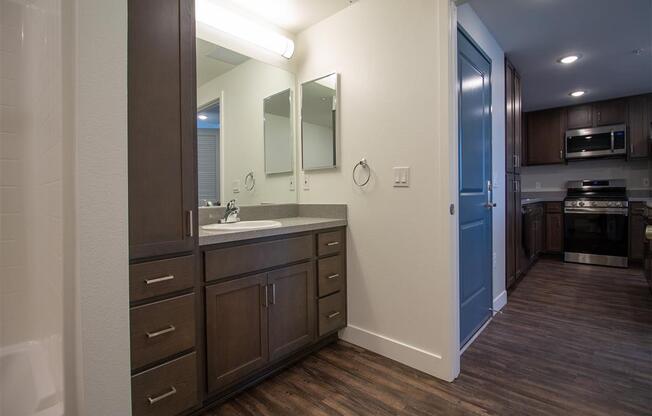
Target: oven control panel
{"type": "Point", "coordinates": [596, 204]}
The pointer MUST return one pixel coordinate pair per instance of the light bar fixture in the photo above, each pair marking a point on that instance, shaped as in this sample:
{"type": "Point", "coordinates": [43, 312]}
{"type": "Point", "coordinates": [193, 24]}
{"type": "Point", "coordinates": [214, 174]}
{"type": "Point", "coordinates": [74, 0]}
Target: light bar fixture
{"type": "Point", "coordinates": [227, 21]}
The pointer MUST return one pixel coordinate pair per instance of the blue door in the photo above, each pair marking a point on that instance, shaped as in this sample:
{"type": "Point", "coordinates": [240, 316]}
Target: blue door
{"type": "Point", "coordinates": [474, 97]}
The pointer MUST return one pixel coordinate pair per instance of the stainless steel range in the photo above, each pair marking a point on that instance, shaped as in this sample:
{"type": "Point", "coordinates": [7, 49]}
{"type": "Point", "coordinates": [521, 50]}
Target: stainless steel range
{"type": "Point", "coordinates": [596, 222]}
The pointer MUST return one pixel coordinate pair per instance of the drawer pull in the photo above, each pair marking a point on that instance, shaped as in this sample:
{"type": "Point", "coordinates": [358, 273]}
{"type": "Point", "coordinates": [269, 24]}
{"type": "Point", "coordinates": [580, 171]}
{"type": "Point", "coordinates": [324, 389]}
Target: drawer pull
{"type": "Point", "coordinates": [333, 276]}
{"type": "Point", "coordinates": [159, 279]}
{"type": "Point", "coordinates": [167, 330]}
{"type": "Point", "coordinates": [172, 392]}
{"type": "Point", "coordinates": [333, 243]}
{"type": "Point", "coordinates": [333, 315]}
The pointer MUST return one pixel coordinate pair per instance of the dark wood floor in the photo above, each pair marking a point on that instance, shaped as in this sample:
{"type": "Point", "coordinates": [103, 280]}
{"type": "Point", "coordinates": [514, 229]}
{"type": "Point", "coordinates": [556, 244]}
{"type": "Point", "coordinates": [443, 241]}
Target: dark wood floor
{"type": "Point", "coordinates": [573, 340]}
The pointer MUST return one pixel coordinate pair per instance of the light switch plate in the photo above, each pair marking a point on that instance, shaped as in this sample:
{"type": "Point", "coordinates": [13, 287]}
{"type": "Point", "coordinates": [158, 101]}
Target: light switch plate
{"type": "Point", "coordinates": [292, 185]}
{"type": "Point", "coordinates": [306, 182]}
{"type": "Point", "coordinates": [236, 187]}
{"type": "Point", "coordinates": [401, 177]}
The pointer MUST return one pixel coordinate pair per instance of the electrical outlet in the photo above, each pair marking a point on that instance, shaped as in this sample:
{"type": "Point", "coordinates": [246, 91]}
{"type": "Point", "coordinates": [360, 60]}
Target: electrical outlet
{"type": "Point", "coordinates": [646, 181]}
{"type": "Point", "coordinates": [537, 185]}
{"type": "Point", "coordinates": [236, 187]}
{"type": "Point", "coordinates": [306, 182]}
{"type": "Point", "coordinates": [292, 185]}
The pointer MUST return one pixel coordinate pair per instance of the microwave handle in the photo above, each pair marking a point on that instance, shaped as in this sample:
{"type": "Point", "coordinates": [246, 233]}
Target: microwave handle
{"type": "Point", "coordinates": [612, 141]}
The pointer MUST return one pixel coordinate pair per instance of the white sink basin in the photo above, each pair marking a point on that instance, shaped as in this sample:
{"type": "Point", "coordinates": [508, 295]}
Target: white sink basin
{"type": "Point", "coordinates": [242, 226]}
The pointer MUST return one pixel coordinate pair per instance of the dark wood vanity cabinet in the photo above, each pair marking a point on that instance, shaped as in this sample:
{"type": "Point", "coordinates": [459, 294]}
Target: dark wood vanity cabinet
{"type": "Point", "coordinates": [270, 299]}
{"type": "Point", "coordinates": [545, 136]}
{"type": "Point", "coordinates": [161, 127]}
{"type": "Point", "coordinates": [637, 224]}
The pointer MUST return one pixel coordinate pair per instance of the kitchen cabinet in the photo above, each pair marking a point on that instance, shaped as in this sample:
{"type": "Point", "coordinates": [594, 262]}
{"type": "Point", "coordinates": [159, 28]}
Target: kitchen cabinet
{"type": "Point", "coordinates": [554, 221]}
{"type": "Point", "coordinates": [513, 237]}
{"type": "Point", "coordinates": [513, 119]}
{"type": "Point", "coordinates": [161, 127]}
{"type": "Point", "coordinates": [545, 136]}
{"type": "Point", "coordinates": [579, 116]}
{"type": "Point", "coordinates": [639, 120]}
{"type": "Point", "coordinates": [637, 223]}
{"type": "Point", "coordinates": [609, 112]}
{"type": "Point", "coordinates": [533, 232]}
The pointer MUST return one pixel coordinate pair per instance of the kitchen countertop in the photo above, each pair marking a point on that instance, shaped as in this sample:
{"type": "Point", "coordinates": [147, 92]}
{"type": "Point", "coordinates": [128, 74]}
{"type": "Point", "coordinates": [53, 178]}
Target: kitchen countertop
{"type": "Point", "coordinates": [288, 226]}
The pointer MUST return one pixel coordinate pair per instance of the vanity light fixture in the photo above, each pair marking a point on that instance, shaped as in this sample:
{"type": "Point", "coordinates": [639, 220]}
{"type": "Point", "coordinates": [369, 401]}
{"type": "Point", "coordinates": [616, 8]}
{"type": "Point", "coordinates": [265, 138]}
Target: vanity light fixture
{"type": "Point", "coordinates": [577, 93]}
{"type": "Point", "coordinates": [236, 25]}
{"type": "Point", "coordinates": [202, 117]}
{"type": "Point", "coordinates": [568, 59]}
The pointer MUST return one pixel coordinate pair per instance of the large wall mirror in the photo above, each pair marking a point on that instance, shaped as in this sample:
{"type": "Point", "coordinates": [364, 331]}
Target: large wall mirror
{"type": "Point", "coordinates": [319, 110]}
{"type": "Point", "coordinates": [245, 129]}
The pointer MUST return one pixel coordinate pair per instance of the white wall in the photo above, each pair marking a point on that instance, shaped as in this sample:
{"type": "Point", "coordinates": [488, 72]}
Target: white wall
{"type": "Point", "coordinates": [393, 58]}
{"type": "Point", "coordinates": [99, 129]}
{"type": "Point", "coordinates": [242, 130]}
{"type": "Point", "coordinates": [554, 177]}
{"type": "Point", "coordinates": [469, 20]}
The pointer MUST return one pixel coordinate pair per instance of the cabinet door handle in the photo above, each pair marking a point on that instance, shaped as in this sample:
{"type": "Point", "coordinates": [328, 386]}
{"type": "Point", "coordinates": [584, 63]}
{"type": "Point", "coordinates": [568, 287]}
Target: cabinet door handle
{"type": "Point", "coordinates": [190, 224]}
{"type": "Point", "coordinates": [333, 276]}
{"type": "Point", "coordinates": [273, 293]}
{"type": "Point", "coordinates": [167, 330]}
{"type": "Point", "coordinates": [159, 279]}
{"type": "Point", "coordinates": [333, 315]}
{"type": "Point", "coordinates": [333, 243]}
{"type": "Point", "coordinates": [561, 154]}
{"type": "Point", "coordinates": [266, 296]}
{"type": "Point", "coordinates": [153, 400]}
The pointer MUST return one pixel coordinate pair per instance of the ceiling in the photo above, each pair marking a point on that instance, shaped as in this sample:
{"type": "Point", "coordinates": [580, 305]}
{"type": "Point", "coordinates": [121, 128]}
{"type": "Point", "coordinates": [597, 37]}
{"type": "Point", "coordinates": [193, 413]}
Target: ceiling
{"type": "Point", "coordinates": [291, 15]}
{"type": "Point", "coordinates": [535, 33]}
{"type": "Point", "coordinates": [214, 60]}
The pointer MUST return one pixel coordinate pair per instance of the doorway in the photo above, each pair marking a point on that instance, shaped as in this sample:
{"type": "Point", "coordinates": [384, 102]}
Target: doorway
{"type": "Point", "coordinates": [208, 154]}
{"type": "Point", "coordinates": [475, 187]}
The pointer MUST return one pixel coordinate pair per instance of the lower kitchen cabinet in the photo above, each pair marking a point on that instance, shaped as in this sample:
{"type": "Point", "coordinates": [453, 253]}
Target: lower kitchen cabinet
{"type": "Point", "coordinates": [513, 231]}
{"type": "Point", "coordinates": [637, 223]}
{"type": "Point", "coordinates": [533, 232]}
{"type": "Point", "coordinates": [554, 228]}
{"type": "Point", "coordinates": [236, 329]}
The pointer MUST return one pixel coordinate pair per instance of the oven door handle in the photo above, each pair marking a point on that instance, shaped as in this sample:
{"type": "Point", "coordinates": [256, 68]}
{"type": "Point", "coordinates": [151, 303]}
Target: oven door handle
{"type": "Point", "coordinates": [609, 211]}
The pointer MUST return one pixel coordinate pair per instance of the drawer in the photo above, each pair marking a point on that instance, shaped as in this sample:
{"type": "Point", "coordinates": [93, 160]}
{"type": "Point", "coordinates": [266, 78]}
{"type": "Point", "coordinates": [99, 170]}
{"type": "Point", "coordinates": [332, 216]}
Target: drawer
{"type": "Point", "coordinates": [553, 207]}
{"type": "Point", "coordinates": [232, 261]}
{"type": "Point", "coordinates": [161, 329]}
{"type": "Point", "coordinates": [166, 390]}
{"type": "Point", "coordinates": [331, 275]}
{"type": "Point", "coordinates": [330, 242]}
{"type": "Point", "coordinates": [160, 277]}
{"type": "Point", "coordinates": [332, 313]}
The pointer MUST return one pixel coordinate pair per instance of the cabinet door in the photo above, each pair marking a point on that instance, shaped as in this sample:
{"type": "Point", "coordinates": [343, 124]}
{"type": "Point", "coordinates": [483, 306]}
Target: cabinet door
{"type": "Point", "coordinates": [579, 116]}
{"type": "Point", "coordinates": [639, 126]}
{"type": "Point", "coordinates": [518, 227]}
{"type": "Point", "coordinates": [511, 255]}
{"type": "Point", "coordinates": [518, 122]}
{"type": "Point", "coordinates": [236, 329]}
{"type": "Point", "coordinates": [292, 303]}
{"type": "Point", "coordinates": [161, 117]}
{"type": "Point", "coordinates": [609, 112]}
{"type": "Point", "coordinates": [510, 154]}
{"type": "Point", "coordinates": [545, 137]}
{"type": "Point", "coordinates": [554, 230]}
{"type": "Point", "coordinates": [637, 223]}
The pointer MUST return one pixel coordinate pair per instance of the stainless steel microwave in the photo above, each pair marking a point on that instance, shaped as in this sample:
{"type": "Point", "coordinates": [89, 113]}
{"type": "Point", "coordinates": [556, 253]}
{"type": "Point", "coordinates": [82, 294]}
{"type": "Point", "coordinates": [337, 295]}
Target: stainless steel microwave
{"type": "Point", "coordinates": [596, 142]}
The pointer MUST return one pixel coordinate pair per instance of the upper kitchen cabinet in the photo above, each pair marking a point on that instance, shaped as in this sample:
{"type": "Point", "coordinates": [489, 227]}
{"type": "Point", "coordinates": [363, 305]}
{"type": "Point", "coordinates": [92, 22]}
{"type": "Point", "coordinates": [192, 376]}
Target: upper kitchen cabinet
{"type": "Point", "coordinates": [513, 119]}
{"type": "Point", "coordinates": [579, 116]}
{"type": "Point", "coordinates": [609, 112]}
{"type": "Point", "coordinates": [161, 111]}
{"type": "Point", "coordinates": [545, 136]}
{"type": "Point", "coordinates": [639, 122]}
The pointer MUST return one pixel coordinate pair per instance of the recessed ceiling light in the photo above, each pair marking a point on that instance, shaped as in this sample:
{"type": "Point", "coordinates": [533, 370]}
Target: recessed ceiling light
{"type": "Point", "coordinates": [568, 59]}
{"type": "Point", "coordinates": [577, 93]}
{"type": "Point", "coordinates": [202, 117]}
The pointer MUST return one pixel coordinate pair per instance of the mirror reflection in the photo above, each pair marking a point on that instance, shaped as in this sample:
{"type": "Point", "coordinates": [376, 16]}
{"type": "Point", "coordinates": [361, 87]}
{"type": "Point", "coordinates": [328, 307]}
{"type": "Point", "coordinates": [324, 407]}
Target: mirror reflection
{"type": "Point", "coordinates": [245, 135]}
{"type": "Point", "coordinates": [319, 123]}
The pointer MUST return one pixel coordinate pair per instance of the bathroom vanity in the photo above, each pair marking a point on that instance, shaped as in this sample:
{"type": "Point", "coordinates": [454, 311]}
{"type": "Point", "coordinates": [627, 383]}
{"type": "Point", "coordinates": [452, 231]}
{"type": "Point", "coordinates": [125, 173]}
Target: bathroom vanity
{"type": "Point", "coordinates": [215, 308]}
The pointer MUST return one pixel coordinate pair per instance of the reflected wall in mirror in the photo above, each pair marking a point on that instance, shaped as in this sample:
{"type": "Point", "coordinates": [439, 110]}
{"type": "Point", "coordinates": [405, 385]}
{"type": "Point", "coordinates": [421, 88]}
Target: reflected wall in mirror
{"type": "Point", "coordinates": [278, 133]}
{"type": "Point", "coordinates": [240, 155]}
{"type": "Point", "coordinates": [319, 123]}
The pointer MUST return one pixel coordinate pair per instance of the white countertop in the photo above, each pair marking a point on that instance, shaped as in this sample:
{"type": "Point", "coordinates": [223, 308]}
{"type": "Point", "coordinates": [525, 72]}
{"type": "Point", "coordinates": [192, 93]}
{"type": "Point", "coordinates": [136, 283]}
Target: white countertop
{"type": "Point", "coordinates": [288, 226]}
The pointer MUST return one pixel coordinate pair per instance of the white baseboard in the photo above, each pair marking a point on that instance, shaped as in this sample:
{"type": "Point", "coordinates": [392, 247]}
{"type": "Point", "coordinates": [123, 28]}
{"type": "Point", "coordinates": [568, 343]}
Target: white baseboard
{"type": "Point", "coordinates": [500, 301]}
{"type": "Point", "coordinates": [409, 355]}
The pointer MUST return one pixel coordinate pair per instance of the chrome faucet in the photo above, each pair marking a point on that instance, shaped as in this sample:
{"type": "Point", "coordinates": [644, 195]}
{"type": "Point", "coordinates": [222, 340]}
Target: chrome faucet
{"type": "Point", "coordinates": [231, 213]}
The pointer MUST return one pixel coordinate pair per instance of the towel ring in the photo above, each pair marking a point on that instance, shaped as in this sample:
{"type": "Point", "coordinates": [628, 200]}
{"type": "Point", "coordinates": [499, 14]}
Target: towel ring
{"type": "Point", "coordinates": [250, 182]}
{"type": "Point", "coordinates": [364, 165]}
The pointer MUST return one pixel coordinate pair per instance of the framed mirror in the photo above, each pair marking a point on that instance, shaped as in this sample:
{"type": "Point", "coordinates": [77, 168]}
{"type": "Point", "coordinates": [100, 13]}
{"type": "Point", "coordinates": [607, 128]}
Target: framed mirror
{"type": "Point", "coordinates": [277, 110]}
{"type": "Point", "coordinates": [319, 119]}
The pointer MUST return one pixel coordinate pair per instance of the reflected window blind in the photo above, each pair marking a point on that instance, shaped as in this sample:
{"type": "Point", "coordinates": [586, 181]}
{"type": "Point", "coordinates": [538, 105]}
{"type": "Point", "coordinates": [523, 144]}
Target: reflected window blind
{"type": "Point", "coordinates": [207, 169]}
